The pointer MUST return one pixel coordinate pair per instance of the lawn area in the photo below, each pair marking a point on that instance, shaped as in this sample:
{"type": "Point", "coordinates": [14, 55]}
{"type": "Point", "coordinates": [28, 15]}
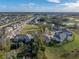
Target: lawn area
{"type": "Point", "coordinates": [56, 52]}
{"type": "Point", "coordinates": [28, 28]}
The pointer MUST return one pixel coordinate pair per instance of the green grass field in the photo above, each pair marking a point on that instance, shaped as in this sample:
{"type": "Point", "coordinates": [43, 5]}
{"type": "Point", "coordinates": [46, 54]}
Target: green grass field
{"type": "Point", "coordinates": [28, 28]}
{"type": "Point", "coordinates": [56, 52]}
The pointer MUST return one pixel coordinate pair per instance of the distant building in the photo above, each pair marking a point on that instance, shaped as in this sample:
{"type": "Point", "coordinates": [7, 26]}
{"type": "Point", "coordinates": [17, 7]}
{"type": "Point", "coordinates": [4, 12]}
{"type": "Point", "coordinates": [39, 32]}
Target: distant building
{"type": "Point", "coordinates": [69, 24]}
{"type": "Point", "coordinates": [59, 36]}
{"type": "Point", "coordinates": [40, 21]}
{"type": "Point", "coordinates": [49, 37]}
{"type": "Point", "coordinates": [9, 32]}
{"type": "Point", "coordinates": [23, 38]}
{"type": "Point", "coordinates": [2, 32]}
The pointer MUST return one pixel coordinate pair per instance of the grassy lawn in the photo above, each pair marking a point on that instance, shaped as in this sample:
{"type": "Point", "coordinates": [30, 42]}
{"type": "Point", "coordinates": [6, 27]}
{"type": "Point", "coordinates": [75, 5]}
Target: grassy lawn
{"type": "Point", "coordinates": [56, 52]}
{"type": "Point", "coordinates": [28, 28]}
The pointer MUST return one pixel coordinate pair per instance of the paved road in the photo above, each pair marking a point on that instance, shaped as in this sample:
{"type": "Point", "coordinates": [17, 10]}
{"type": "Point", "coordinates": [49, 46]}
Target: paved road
{"type": "Point", "coordinates": [23, 23]}
{"type": "Point", "coordinates": [16, 31]}
{"type": "Point", "coordinates": [13, 52]}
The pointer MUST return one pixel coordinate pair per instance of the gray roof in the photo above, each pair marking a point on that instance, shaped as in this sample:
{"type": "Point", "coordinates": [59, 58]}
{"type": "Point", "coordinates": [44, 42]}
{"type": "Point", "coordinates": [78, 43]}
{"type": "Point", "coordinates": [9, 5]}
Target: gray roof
{"type": "Point", "coordinates": [23, 38]}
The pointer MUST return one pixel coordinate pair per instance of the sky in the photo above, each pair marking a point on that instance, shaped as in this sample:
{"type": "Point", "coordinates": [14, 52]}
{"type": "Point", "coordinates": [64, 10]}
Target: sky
{"type": "Point", "coordinates": [39, 5]}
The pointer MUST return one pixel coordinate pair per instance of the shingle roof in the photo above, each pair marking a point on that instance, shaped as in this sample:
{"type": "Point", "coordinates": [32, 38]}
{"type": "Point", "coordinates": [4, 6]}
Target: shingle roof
{"type": "Point", "coordinates": [22, 38]}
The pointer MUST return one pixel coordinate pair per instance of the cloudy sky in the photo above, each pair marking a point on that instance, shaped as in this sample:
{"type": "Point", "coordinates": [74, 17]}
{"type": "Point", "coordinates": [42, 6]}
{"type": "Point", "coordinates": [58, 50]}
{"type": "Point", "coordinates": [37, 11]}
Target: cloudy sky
{"type": "Point", "coordinates": [39, 5]}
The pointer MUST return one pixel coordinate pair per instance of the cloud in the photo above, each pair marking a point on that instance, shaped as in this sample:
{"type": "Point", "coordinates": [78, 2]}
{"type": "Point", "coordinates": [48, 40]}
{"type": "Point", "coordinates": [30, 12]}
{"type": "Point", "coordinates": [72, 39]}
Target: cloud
{"type": "Point", "coordinates": [54, 1]}
{"type": "Point", "coordinates": [77, 1]}
{"type": "Point", "coordinates": [71, 7]}
{"type": "Point", "coordinates": [30, 7]}
{"type": "Point", "coordinates": [33, 7]}
{"type": "Point", "coordinates": [18, 8]}
{"type": "Point", "coordinates": [66, 7]}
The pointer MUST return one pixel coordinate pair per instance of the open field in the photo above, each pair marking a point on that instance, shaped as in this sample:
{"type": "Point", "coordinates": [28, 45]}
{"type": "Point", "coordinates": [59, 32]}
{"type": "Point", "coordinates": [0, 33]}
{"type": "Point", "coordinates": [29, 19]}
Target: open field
{"type": "Point", "coordinates": [28, 28]}
{"type": "Point", "coordinates": [55, 52]}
